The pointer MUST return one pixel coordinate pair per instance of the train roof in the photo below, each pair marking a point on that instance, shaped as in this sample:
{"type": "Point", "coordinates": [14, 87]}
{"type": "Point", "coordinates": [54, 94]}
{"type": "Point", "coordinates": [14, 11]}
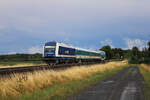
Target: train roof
{"type": "Point", "coordinates": [65, 45]}
{"type": "Point", "coordinates": [70, 46]}
{"type": "Point", "coordinates": [89, 50]}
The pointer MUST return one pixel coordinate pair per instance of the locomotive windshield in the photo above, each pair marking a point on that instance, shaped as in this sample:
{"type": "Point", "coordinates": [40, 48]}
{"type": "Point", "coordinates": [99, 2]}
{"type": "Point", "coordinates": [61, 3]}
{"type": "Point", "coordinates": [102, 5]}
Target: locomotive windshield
{"type": "Point", "coordinates": [49, 51]}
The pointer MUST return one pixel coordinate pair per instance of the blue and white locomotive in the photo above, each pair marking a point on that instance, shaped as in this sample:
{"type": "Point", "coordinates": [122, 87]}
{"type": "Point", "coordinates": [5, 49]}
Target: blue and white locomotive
{"type": "Point", "coordinates": [57, 52]}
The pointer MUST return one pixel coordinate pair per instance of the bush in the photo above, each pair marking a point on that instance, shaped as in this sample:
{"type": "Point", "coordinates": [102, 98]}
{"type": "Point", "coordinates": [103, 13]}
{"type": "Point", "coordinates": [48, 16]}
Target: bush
{"type": "Point", "coordinates": [134, 60]}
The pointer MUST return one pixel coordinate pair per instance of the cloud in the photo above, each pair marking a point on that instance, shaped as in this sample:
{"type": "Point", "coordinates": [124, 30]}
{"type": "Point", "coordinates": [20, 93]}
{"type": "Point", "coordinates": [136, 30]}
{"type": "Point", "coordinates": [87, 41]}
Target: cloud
{"type": "Point", "coordinates": [9, 53]}
{"type": "Point", "coordinates": [27, 23]}
{"type": "Point", "coordinates": [34, 49]}
{"type": "Point", "coordinates": [107, 42]}
{"type": "Point", "coordinates": [135, 42]}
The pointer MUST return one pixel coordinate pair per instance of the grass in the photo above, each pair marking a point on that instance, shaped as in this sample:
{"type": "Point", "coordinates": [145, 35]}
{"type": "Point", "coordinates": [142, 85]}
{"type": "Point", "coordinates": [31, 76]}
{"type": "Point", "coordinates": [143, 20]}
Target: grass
{"type": "Point", "coordinates": [60, 92]}
{"type": "Point", "coordinates": [145, 71]}
{"type": "Point", "coordinates": [6, 64]}
{"type": "Point", "coordinates": [55, 85]}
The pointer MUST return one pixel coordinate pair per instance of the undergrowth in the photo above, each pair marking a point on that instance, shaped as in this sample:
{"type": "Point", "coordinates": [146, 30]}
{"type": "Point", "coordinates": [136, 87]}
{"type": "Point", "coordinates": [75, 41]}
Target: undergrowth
{"type": "Point", "coordinates": [54, 83]}
{"type": "Point", "coordinates": [145, 71]}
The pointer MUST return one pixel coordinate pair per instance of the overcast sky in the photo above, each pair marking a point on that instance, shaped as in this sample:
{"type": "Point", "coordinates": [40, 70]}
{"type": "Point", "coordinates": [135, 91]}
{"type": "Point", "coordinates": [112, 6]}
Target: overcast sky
{"type": "Point", "coordinates": [25, 25]}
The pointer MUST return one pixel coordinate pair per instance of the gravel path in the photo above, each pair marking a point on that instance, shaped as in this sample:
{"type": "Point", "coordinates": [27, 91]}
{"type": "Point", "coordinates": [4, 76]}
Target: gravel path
{"type": "Point", "coordinates": [125, 85]}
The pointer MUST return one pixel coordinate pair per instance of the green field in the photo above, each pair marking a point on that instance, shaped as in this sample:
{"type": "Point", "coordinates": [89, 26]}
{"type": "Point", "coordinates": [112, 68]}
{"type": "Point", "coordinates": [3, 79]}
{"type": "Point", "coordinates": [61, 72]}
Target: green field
{"type": "Point", "coordinates": [20, 59]}
{"type": "Point", "coordinates": [18, 63]}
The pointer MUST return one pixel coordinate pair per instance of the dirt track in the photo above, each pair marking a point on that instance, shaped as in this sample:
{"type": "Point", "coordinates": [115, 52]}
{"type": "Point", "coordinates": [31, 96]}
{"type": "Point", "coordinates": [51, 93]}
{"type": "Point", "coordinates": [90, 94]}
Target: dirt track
{"type": "Point", "coordinates": [125, 85]}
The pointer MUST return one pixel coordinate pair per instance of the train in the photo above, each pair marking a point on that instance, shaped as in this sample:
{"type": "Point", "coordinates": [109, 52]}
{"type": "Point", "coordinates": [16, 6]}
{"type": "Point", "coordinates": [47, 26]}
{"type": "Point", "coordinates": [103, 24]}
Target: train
{"type": "Point", "coordinates": [58, 52]}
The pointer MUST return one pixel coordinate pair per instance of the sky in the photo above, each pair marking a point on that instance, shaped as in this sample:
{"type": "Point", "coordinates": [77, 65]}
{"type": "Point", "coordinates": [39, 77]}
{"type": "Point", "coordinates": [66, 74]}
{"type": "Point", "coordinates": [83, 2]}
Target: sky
{"type": "Point", "coordinates": [25, 25]}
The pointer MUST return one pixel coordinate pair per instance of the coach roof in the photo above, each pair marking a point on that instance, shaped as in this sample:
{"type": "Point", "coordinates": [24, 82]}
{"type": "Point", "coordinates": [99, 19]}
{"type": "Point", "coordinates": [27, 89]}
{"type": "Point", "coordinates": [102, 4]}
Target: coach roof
{"type": "Point", "coordinates": [70, 46]}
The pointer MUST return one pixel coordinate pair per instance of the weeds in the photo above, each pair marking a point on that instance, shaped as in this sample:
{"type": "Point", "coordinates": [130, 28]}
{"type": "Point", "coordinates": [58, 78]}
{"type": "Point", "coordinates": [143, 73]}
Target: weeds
{"type": "Point", "coordinates": [28, 83]}
{"type": "Point", "coordinates": [7, 64]}
{"type": "Point", "coordinates": [145, 71]}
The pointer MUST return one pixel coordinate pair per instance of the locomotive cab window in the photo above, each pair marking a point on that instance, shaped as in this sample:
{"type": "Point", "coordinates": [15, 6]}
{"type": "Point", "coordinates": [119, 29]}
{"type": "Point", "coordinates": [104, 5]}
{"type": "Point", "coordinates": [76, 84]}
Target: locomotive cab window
{"type": "Point", "coordinates": [49, 51]}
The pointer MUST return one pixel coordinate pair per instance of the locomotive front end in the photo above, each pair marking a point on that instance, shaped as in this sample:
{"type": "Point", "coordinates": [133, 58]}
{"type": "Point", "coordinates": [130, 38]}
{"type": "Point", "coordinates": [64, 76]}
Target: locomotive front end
{"type": "Point", "coordinates": [50, 52]}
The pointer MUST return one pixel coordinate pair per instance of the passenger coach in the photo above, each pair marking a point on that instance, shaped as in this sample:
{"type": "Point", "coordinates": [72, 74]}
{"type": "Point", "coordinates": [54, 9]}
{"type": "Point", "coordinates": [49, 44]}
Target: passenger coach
{"type": "Point", "coordinates": [56, 52]}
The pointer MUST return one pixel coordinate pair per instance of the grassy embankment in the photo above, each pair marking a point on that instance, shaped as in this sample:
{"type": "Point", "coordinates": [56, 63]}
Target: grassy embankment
{"type": "Point", "coordinates": [55, 85]}
{"type": "Point", "coordinates": [6, 64]}
{"type": "Point", "coordinates": [145, 71]}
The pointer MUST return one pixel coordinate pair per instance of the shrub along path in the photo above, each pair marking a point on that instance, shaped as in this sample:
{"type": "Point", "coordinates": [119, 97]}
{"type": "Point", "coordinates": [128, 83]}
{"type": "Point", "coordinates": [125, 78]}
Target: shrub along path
{"type": "Point", "coordinates": [125, 85]}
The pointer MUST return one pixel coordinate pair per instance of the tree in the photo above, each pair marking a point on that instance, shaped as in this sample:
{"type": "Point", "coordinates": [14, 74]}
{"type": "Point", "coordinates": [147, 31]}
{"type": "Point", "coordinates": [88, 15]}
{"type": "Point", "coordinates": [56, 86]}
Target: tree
{"type": "Point", "coordinates": [144, 52]}
{"type": "Point", "coordinates": [135, 56]}
{"type": "Point", "coordinates": [117, 53]}
{"type": "Point", "coordinates": [127, 53]}
{"type": "Point", "coordinates": [108, 51]}
{"type": "Point", "coordinates": [148, 44]}
{"type": "Point", "coordinates": [135, 51]}
{"type": "Point", "coordinates": [148, 48]}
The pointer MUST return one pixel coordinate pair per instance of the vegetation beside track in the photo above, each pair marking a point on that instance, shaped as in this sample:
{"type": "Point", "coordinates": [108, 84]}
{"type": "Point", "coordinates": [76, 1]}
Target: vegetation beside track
{"type": "Point", "coordinates": [8, 64]}
{"type": "Point", "coordinates": [13, 60]}
{"type": "Point", "coordinates": [21, 57]}
{"type": "Point", "coordinates": [55, 85]}
{"type": "Point", "coordinates": [145, 71]}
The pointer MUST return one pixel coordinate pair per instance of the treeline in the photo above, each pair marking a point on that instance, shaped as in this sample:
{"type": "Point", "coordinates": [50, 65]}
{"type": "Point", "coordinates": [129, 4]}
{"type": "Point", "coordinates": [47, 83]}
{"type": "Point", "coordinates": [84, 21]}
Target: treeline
{"type": "Point", "coordinates": [133, 55]}
{"type": "Point", "coordinates": [21, 57]}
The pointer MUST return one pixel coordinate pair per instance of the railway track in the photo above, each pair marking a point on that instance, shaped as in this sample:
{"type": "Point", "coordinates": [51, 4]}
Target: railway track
{"type": "Point", "coordinates": [8, 71]}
